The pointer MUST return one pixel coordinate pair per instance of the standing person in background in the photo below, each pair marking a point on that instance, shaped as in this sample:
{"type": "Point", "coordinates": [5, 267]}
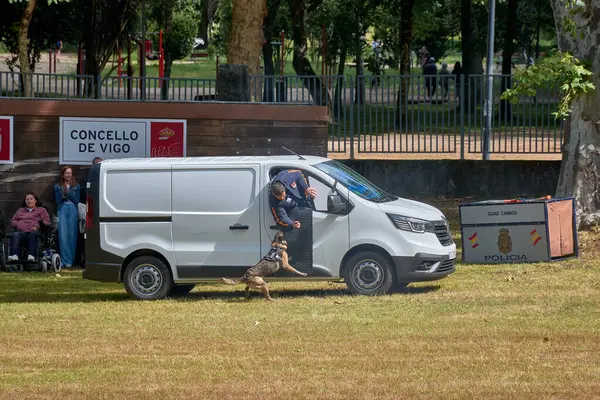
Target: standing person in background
{"type": "Point", "coordinates": [457, 72]}
{"type": "Point", "coordinates": [444, 80]}
{"type": "Point", "coordinates": [67, 195]}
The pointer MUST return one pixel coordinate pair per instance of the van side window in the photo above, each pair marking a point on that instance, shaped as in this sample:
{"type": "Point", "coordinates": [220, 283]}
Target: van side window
{"type": "Point", "coordinates": [229, 190]}
{"type": "Point", "coordinates": [323, 191]}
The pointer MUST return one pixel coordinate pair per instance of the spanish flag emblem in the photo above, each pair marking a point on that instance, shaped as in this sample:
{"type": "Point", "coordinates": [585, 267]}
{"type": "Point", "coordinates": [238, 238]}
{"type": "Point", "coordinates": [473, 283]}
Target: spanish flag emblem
{"type": "Point", "coordinates": [535, 237]}
{"type": "Point", "coordinates": [473, 240]}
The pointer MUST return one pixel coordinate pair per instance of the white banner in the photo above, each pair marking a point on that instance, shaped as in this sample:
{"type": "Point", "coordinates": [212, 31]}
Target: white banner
{"type": "Point", "coordinates": [82, 139]}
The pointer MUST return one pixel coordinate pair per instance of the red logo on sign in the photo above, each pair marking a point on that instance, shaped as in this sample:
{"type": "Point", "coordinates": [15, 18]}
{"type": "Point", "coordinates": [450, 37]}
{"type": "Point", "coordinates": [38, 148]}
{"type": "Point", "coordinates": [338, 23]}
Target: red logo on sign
{"type": "Point", "coordinates": [167, 139]}
{"type": "Point", "coordinates": [5, 139]}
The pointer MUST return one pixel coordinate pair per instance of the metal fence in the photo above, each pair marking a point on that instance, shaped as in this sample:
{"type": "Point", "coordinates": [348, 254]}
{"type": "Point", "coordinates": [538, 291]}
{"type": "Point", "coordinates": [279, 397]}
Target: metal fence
{"type": "Point", "coordinates": [368, 114]}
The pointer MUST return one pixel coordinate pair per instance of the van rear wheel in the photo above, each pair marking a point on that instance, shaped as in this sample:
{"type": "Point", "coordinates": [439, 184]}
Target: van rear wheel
{"type": "Point", "coordinates": [368, 273]}
{"type": "Point", "coordinates": [147, 278]}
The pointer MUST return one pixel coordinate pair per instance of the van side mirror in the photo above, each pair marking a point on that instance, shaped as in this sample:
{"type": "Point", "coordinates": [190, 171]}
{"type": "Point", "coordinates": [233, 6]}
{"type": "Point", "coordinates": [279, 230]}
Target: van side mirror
{"type": "Point", "coordinates": [335, 204]}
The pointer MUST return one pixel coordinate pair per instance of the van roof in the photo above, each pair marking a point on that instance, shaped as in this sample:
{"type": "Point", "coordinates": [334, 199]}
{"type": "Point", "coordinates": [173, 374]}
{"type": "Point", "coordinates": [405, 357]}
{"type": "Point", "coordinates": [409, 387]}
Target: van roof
{"type": "Point", "coordinates": [150, 162]}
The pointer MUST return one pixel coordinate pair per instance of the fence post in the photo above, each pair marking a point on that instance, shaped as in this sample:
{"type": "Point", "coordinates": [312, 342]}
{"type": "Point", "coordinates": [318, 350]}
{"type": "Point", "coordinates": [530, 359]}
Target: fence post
{"type": "Point", "coordinates": [352, 119]}
{"type": "Point", "coordinates": [98, 95]}
{"type": "Point", "coordinates": [461, 106]}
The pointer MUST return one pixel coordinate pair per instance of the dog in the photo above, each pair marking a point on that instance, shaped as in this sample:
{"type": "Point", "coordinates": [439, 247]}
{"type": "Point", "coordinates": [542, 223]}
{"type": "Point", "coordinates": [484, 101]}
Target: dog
{"type": "Point", "coordinates": [275, 259]}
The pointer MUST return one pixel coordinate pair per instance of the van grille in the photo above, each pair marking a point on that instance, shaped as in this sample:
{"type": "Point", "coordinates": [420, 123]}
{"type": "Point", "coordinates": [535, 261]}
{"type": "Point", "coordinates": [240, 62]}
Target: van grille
{"type": "Point", "coordinates": [446, 265]}
{"type": "Point", "coordinates": [442, 231]}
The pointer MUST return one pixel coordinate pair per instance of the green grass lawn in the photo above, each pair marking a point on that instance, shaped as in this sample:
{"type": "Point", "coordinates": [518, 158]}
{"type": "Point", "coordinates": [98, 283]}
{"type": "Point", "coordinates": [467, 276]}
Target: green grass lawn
{"type": "Point", "coordinates": [526, 331]}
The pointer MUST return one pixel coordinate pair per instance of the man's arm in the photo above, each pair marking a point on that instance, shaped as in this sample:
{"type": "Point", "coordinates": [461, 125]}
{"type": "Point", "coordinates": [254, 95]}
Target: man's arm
{"type": "Point", "coordinates": [300, 180]}
{"type": "Point", "coordinates": [281, 217]}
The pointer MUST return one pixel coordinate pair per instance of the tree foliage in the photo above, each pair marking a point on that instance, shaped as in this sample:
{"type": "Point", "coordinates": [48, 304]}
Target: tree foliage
{"type": "Point", "coordinates": [561, 69]}
{"type": "Point", "coordinates": [49, 24]}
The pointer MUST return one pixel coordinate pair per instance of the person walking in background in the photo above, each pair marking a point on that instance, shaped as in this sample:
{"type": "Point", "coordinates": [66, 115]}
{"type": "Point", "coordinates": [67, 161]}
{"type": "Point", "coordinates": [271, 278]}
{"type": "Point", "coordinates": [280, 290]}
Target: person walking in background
{"type": "Point", "coordinates": [457, 72]}
{"type": "Point", "coordinates": [430, 74]}
{"type": "Point", "coordinates": [444, 80]}
{"type": "Point", "coordinates": [66, 195]}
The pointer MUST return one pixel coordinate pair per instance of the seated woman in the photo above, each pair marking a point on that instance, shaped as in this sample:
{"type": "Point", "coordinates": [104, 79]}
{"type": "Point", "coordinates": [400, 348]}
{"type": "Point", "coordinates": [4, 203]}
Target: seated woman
{"type": "Point", "coordinates": [26, 222]}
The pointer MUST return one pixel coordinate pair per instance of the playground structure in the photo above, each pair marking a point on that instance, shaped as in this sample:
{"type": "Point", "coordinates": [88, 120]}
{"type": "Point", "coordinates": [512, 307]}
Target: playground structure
{"type": "Point", "coordinates": [144, 48]}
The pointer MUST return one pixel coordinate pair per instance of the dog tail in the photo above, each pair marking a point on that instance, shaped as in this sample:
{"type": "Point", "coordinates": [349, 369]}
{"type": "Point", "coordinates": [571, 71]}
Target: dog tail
{"type": "Point", "coordinates": [229, 281]}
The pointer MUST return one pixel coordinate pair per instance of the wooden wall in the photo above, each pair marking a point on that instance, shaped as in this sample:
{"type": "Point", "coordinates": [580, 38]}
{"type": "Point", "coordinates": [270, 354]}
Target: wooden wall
{"type": "Point", "coordinates": [212, 130]}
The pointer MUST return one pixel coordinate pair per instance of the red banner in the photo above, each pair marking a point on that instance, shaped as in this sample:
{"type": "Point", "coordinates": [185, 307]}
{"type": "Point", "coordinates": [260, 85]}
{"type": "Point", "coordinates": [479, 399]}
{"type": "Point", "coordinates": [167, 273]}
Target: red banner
{"type": "Point", "coordinates": [6, 140]}
{"type": "Point", "coordinates": [167, 138]}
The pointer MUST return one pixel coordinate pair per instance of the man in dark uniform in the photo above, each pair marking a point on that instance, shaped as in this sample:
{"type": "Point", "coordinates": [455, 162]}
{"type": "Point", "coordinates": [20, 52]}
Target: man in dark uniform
{"type": "Point", "coordinates": [289, 189]}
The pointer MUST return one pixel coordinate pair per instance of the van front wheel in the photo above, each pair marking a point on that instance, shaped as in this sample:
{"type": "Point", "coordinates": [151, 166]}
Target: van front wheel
{"type": "Point", "coordinates": [368, 273]}
{"type": "Point", "coordinates": [147, 278]}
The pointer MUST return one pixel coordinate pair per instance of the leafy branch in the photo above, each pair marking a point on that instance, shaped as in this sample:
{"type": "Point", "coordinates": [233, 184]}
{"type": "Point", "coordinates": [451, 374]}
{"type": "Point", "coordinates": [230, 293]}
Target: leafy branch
{"type": "Point", "coordinates": [559, 69]}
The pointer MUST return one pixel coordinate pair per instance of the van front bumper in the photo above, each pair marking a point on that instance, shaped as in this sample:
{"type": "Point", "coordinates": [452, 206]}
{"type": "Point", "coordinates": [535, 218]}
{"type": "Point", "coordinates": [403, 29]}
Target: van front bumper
{"type": "Point", "coordinates": [423, 267]}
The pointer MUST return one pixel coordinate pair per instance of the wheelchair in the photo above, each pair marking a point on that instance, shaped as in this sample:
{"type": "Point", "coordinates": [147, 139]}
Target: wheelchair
{"type": "Point", "coordinates": [47, 257]}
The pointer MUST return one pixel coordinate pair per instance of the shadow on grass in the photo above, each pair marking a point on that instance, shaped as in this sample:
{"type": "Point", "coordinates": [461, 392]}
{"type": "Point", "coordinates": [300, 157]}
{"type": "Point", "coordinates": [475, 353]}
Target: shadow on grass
{"type": "Point", "coordinates": [238, 295]}
{"type": "Point", "coordinates": [33, 288]}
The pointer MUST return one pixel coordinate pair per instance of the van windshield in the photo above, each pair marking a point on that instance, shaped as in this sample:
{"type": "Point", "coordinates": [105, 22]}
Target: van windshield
{"type": "Point", "coordinates": [355, 182]}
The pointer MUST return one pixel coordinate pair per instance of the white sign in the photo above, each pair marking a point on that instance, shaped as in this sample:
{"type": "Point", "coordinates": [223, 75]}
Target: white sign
{"type": "Point", "coordinates": [505, 244]}
{"type": "Point", "coordinates": [82, 139]}
{"type": "Point", "coordinates": [500, 213]}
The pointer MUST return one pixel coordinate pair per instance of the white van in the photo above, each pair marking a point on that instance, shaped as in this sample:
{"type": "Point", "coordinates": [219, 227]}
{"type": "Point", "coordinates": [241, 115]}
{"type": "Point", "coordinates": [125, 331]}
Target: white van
{"type": "Point", "coordinates": [161, 225]}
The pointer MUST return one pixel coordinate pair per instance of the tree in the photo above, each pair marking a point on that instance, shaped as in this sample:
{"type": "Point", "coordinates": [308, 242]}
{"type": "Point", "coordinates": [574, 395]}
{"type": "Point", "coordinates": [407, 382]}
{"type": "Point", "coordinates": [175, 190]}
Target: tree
{"type": "Point", "coordinates": [267, 48]}
{"type": "Point", "coordinates": [300, 62]}
{"type": "Point", "coordinates": [24, 43]}
{"type": "Point", "coordinates": [104, 25]}
{"type": "Point", "coordinates": [246, 36]}
{"type": "Point", "coordinates": [43, 33]}
{"type": "Point", "coordinates": [507, 52]}
{"type": "Point", "coordinates": [406, 31]}
{"type": "Point", "coordinates": [576, 69]}
{"type": "Point", "coordinates": [178, 19]}
{"type": "Point", "coordinates": [208, 9]}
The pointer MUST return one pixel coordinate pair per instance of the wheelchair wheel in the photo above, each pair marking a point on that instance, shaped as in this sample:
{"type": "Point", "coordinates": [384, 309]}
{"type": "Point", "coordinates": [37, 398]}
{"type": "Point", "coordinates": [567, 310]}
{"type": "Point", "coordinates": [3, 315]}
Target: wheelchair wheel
{"type": "Point", "coordinates": [44, 267]}
{"type": "Point", "coordinates": [55, 262]}
{"type": "Point", "coordinates": [16, 268]}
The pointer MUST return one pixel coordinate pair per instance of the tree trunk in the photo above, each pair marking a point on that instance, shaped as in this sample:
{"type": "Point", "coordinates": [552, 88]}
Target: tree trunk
{"type": "Point", "coordinates": [267, 51]}
{"type": "Point", "coordinates": [471, 59]}
{"type": "Point", "coordinates": [269, 84]}
{"type": "Point", "coordinates": [337, 103]}
{"type": "Point", "coordinates": [509, 37]}
{"type": "Point", "coordinates": [23, 47]}
{"type": "Point", "coordinates": [580, 169]}
{"type": "Point", "coordinates": [246, 37]}
{"type": "Point", "coordinates": [406, 32]}
{"type": "Point", "coordinates": [168, 24]}
{"type": "Point", "coordinates": [204, 22]}
{"type": "Point", "coordinates": [301, 63]}
{"type": "Point", "coordinates": [359, 98]}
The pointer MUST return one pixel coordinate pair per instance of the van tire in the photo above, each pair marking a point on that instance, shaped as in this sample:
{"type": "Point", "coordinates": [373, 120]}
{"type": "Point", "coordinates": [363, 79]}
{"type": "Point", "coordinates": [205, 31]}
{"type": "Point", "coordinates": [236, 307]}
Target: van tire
{"type": "Point", "coordinates": [368, 273]}
{"type": "Point", "coordinates": [147, 278]}
{"type": "Point", "coordinates": [181, 290]}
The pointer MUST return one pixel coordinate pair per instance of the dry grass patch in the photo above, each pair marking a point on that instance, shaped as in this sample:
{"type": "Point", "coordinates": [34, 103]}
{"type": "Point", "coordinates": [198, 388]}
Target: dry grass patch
{"type": "Point", "coordinates": [505, 331]}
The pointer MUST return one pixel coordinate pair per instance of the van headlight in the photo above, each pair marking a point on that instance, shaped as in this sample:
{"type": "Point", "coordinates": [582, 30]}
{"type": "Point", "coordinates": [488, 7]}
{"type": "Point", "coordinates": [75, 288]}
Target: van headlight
{"type": "Point", "coordinates": [410, 224]}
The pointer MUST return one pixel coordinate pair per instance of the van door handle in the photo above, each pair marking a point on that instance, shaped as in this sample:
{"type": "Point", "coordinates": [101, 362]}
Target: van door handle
{"type": "Point", "coordinates": [239, 227]}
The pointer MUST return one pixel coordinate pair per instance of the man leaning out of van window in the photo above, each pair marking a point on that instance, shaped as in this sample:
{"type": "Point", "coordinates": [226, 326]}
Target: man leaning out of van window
{"type": "Point", "coordinates": [289, 187]}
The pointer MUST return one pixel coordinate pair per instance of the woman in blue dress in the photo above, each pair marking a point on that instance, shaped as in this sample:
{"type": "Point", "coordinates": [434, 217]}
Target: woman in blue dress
{"type": "Point", "coordinates": [66, 194]}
